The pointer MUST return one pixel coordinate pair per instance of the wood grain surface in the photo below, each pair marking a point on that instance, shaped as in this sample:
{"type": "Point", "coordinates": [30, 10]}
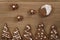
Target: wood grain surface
{"type": "Point", "coordinates": [29, 0]}
{"type": "Point", "coordinates": [8, 16]}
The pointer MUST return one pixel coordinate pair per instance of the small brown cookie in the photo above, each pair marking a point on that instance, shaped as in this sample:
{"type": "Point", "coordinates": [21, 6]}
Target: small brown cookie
{"type": "Point", "coordinates": [19, 18]}
{"type": "Point", "coordinates": [14, 6]}
{"type": "Point", "coordinates": [32, 12]}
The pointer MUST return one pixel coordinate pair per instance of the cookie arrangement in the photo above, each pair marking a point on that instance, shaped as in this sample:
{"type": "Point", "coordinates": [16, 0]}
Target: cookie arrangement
{"type": "Point", "coordinates": [40, 33]}
{"type": "Point", "coordinates": [43, 11]}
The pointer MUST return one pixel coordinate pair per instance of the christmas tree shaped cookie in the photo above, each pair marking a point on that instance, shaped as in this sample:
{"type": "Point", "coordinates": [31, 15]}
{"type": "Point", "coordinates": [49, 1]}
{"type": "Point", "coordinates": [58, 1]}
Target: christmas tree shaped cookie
{"type": "Point", "coordinates": [53, 33]}
{"type": "Point", "coordinates": [6, 35]}
{"type": "Point", "coordinates": [40, 33]}
{"type": "Point", "coordinates": [27, 35]}
{"type": "Point", "coordinates": [16, 34]}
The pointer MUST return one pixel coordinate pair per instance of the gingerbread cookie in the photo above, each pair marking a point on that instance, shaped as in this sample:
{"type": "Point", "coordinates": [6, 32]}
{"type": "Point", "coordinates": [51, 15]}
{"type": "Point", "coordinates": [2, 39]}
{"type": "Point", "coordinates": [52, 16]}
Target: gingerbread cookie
{"type": "Point", "coordinates": [53, 35]}
{"type": "Point", "coordinates": [40, 33]}
{"type": "Point", "coordinates": [16, 34]}
{"type": "Point", "coordinates": [6, 35]}
{"type": "Point", "coordinates": [27, 33]}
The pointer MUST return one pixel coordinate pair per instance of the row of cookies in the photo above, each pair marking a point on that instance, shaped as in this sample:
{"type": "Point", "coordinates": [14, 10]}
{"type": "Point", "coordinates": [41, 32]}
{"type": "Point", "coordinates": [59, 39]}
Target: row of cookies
{"type": "Point", "coordinates": [40, 33]}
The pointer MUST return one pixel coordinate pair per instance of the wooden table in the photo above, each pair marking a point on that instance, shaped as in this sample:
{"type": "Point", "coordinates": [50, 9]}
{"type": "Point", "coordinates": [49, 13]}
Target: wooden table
{"type": "Point", "coordinates": [8, 16]}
